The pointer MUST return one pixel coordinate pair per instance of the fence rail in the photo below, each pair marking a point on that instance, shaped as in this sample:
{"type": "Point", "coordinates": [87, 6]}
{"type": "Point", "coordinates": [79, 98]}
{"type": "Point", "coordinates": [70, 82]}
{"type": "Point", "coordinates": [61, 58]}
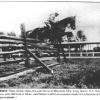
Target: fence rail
{"type": "Point", "coordinates": [71, 43]}
{"type": "Point", "coordinates": [11, 61]}
{"type": "Point", "coordinates": [12, 52]}
{"type": "Point", "coordinates": [18, 39]}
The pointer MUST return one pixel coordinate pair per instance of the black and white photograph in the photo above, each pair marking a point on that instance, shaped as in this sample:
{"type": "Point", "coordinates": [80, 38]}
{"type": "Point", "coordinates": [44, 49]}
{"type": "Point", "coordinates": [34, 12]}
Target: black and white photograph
{"type": "Point", "coordinates": [50, 45]}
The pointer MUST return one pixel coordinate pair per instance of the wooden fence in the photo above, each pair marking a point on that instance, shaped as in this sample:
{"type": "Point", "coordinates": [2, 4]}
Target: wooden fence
{"type": "Point", "coordinates": [15, 49]}
{"type": "Point", "coordinates": [81, 49]}
{"type": "Point", "coordinates": [21, 49]}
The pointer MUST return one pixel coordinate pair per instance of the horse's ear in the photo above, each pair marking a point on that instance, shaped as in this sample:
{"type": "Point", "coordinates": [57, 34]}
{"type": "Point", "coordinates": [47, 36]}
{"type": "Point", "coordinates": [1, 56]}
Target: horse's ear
{"type": "Point", "coordinates": [74, 17]}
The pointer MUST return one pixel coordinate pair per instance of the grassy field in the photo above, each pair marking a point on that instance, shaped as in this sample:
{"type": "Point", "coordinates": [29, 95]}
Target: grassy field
{"type": "Point", "coordinates": [74, 74]}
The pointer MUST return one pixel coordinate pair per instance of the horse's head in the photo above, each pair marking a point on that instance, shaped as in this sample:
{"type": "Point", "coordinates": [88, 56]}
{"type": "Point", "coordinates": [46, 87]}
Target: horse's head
{"type": "Point", "coordinates": [67, 21]}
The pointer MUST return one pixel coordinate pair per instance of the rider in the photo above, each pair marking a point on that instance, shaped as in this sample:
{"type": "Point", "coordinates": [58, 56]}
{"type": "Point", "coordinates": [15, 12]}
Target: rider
{"type": "Point", "coordinates": [51, 19]}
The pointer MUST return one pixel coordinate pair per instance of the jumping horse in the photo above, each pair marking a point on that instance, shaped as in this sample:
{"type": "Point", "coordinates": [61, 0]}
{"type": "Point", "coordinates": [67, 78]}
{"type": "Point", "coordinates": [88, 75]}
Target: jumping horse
{"type": "Point", "coordinates": [54, 33]}
{"type": "Point", "coordinates": [58, 31]}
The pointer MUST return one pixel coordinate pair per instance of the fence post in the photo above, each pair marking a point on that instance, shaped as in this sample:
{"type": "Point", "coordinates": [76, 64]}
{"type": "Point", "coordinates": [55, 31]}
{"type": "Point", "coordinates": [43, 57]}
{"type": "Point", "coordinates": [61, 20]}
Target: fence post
{"type": "Point", "coordinates": [80, 50]}
{"type": "Point", "coordinates": [24, 36]}
{"type": "Point", "coordinates": [69, 50]}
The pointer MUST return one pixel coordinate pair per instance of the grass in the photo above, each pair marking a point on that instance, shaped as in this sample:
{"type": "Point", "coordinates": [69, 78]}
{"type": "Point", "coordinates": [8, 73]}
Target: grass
{"type": "Point", "coordinates": [75, 74]}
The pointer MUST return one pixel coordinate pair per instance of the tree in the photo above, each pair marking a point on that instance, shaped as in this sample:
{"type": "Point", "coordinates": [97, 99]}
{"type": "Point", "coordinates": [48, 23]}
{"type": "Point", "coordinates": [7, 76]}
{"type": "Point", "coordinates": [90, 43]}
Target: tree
{"type": "Point", "coordinates": [11, 34]}
{"type": "Point", "coordinates": [2, 33]}
{"type": "Point", "coordinates": [81, 36]}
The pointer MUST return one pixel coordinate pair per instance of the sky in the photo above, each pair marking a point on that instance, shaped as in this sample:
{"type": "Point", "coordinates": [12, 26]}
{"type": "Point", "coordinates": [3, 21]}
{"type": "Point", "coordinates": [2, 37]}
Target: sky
{"type": "Point", "coordinates": [34, 14]}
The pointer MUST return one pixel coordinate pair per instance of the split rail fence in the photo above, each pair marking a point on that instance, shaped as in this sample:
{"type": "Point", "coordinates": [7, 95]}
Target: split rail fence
{"type": "Point", "coordinates": [14, 50]}
{"type": "Point", "coordinates": [21, 49]}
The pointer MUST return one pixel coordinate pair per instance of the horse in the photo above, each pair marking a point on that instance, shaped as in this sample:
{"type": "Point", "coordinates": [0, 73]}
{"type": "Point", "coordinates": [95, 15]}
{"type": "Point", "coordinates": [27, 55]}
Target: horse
{"type": "Point", "coordinates": [58, 31]}
{"type": "Point", "coordinates": [55, 32]}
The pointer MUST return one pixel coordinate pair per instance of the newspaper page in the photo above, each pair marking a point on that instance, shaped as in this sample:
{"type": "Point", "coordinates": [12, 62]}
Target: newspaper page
{"type": "Point", "coordinates": [49, 49]}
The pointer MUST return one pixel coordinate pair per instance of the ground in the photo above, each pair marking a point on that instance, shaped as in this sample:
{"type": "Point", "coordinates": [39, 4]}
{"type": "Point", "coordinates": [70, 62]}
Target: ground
{"type": "Point", "coordinates": [74, 74]}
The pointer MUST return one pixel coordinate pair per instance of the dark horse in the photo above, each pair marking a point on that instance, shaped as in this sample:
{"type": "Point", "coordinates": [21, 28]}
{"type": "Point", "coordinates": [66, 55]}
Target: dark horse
{"type": "Point", "coordinates": [55, 32]}
{"type": "Point", "coordinates": [58, 30]}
